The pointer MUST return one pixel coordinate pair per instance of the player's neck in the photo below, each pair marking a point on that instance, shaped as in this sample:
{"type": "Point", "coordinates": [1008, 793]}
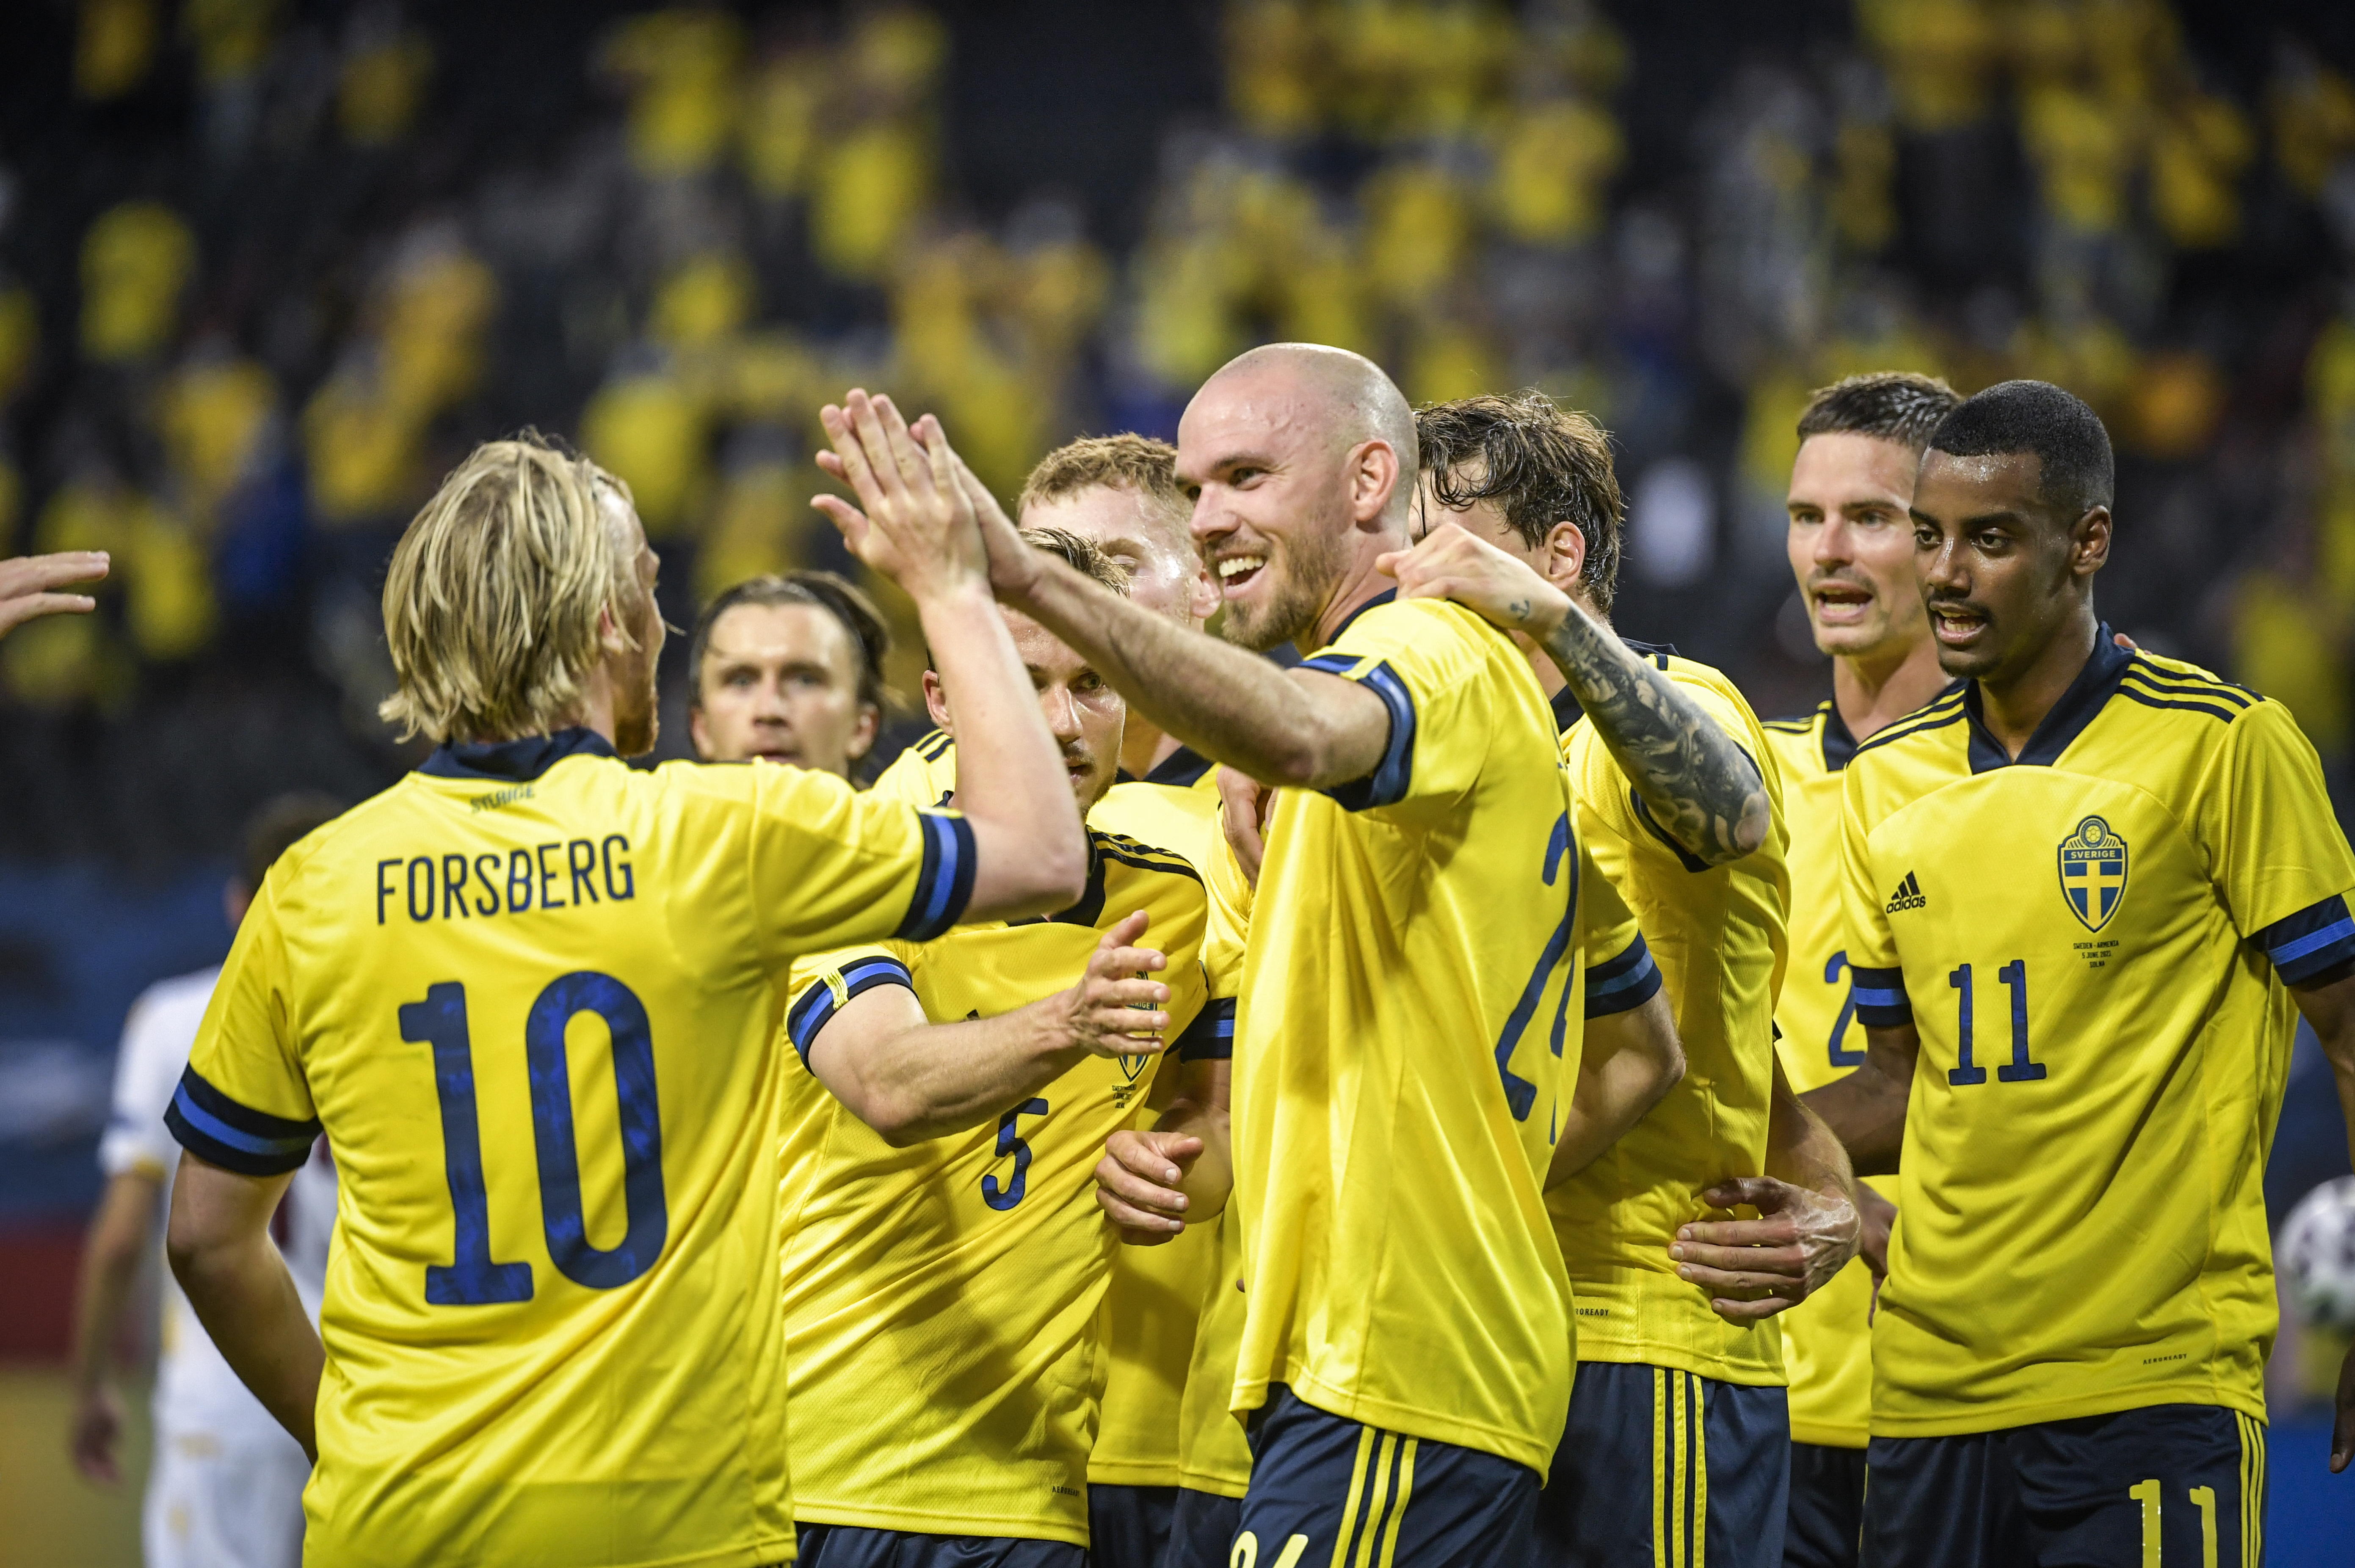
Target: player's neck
{"type": "Point", "coordinates": [1358, 584]}
{"type": "Point", "coordinates": [596, 709]}
{"type": "Point", "coordinates": [1145, 747]}
{"type": "Point", "coordinates": [2012, 705]}
{"type": "Point", "coordinates": [1869, 693]}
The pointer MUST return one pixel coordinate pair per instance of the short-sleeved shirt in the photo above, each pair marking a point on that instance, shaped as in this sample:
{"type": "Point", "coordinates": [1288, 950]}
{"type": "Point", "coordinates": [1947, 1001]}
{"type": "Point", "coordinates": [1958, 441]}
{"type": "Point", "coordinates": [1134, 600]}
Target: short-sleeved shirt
{"type": "Point", "coordinates": [1402, 1040]}
{"type": "Point", "coordinates": [532, 995]}
{"type": "Point", "coordinates": [2094, 942]}
{"type": "Point", "coordinates": [1717, 932]}
{"type": "Point", "coordinates": [941, 1301]}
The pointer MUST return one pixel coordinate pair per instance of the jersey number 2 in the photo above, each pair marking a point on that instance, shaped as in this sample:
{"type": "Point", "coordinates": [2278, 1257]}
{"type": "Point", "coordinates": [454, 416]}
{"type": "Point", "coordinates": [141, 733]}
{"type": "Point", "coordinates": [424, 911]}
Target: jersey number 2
{"type": "Point", "coordinates": [1520, 1094]}
{"type": "Point", "coordinates": [472, 1278]}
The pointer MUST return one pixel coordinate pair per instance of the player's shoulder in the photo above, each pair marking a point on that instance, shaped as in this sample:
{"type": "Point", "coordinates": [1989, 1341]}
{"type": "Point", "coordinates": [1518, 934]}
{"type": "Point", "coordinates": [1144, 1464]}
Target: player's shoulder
{"type": "Point", "coordinates": [1435, 633]}
{"type": "Point", "coordinates": [1133, 857]}
{"type": "Point", "coordinates": [2163, 686]}
{"type": "Point", "coordinates": [1930, 732]}
{"type": "Point", "coordinates": [1798, 742]}
{"type": "Point", "coordinates": [923, 774]}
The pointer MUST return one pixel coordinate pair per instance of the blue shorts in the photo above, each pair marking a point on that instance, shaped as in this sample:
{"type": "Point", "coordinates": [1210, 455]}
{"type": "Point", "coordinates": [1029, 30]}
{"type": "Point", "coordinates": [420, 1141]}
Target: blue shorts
{"type": "Point", "coordinates": [1128, 1527]}
{"type": "Point", "coordinates": [854, 1546]}
{"type": "Point", "coordinates": [1826, 1511]}
{"type": "Point", "coordinates": [1202, 1530]}
{"type": "Point", "coordinates": [1664, 1466]}
{"type": "Point", "coordinates": [2177, 1483]}
{"type": "Point", "coordinates": [1352, 1493]}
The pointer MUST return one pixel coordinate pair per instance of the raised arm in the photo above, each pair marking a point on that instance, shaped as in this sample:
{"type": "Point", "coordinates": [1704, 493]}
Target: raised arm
{"type": "Point", "coordinates": [1699, 786]}
{"type": "Point", "coordinates": [218, 1242]}
{"type": "Point", "coordinates": [2330, 1008]}
{"type": "Point", "coordinates": [1808, 1223]}
{"type": "Point", "coordinates": [1632, 1060]}
{"type": "Point", "coordinates": [1030, 852]}
{"type": "Point", "coordinates": [911, 1080]}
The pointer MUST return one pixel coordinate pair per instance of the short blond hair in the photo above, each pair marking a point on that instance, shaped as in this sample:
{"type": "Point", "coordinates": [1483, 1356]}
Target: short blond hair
{"type": "Point", "coordinates": [1132, 462]}
{"type": "Point", "coordinates": [492, 601]}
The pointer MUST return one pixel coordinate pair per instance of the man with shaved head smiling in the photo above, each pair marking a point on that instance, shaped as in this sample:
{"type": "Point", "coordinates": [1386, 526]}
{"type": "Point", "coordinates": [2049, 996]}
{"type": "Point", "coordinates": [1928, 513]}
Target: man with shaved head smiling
{"type": "Point", "coordinates": [1401, 1053]}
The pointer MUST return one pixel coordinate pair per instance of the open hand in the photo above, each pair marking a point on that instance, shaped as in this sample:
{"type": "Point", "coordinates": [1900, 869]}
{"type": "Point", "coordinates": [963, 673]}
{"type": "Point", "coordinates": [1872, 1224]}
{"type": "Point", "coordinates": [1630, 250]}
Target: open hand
{"type": "Point", "coordinates": [917, 526]}
{"type": "Point", "coordinates": [1755, 1268]}
{"type": "Point", "coordinates": [1137, 1184]}
{"type": "Point", "coordinates": [1013, 565]}
{"type": "Point", "coordinates": [1450, 563]}
{"type": "Point", "coordinates": [1115, 1011]}
{"type": "Point", "coordinates": [27, 585]}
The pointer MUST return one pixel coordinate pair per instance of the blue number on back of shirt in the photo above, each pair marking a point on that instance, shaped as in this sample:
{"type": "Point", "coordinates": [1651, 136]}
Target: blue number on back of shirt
{"type": "Point", "coordinates": [472, 1278]}
{"type": "Point", "coordinates": [1520, 1094]}
{"type": "Point", "coordinates": [1841, 1056]}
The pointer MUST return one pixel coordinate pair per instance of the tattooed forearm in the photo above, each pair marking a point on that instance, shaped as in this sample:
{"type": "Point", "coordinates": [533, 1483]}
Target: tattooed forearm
{"type": "Point", "coordinates": [1686, 768]}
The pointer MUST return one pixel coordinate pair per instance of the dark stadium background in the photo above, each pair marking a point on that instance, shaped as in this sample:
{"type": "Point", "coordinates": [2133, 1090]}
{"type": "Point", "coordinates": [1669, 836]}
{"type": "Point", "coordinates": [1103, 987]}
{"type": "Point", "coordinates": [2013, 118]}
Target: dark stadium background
{"type": "Point", "coordinates": [267, 269]}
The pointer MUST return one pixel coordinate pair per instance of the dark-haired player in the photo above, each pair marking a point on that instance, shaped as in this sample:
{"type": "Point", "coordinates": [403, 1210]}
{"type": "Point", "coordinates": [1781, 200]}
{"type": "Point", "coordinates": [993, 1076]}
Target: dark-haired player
{"type": "Point", "coordinates": [789, 668]}
{"type": "Point", "coordinates": [1678, 1438]}
{"type": "Point", "coordinates": [2087, 894]}
{"type": "Point", "coordinates": [1852, 548]}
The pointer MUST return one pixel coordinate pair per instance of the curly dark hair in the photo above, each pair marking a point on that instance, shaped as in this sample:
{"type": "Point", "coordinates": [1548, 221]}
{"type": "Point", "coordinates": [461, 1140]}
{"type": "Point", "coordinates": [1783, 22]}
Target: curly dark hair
{"type": "Point", "coordinates": [1545, 463]}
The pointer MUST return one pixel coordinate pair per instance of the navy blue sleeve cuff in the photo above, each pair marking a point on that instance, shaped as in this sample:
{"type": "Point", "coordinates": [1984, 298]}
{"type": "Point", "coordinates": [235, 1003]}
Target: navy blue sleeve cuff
{"type": "Point", "coordinates": [1211, 1036]}
{"type": "Point", "coordinates": [810, 1015]}
{"type": "Point", "coordinates": [1623, 983]}
{"type": "Point", "coordinates": [2317, 938]}
{"type": "Point", "coordinates": [216, 1128]}
{"type": "Point", "coordinates": [1684, 857]}
{"type": "Point", "coordinates": [945, 886]}
{"type": "Point", "coordinates": [1880, 999]}
{"type": "Point", "coordinates": [1387, 785]}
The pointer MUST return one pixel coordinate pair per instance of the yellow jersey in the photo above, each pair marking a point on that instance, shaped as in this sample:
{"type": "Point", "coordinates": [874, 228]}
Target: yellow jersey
{"type": "Point", "coordinates": [1827, 1338]}
{"type": "Point", "coordinates": [531, 995]}
{"type": "Point", "coordinates": [941, 1301]}
{"type": "Point", "coordinates": [1146, 1340]}
{"type": "Point", "coordinates": [1400, 1040]}
{"type": "Point", "coordinates": [2092, 942]}
{"type": "Point", "coordinates": [1717, 932]}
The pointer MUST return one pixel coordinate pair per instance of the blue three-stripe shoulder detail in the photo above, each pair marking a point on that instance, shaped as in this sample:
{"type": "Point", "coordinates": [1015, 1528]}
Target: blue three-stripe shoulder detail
{"type": "Point", "coordinates": [817, 1006]}
{"type": "Point", "coordinates": [1880, 999]}
{"type": "Point", "coordinates": [2318, 937]}
{"type": "Point", "coordinates": [1623, 983]}
{"type": "Point", "coordinates": [1211, 1036]}
{"type": "Point", "coordinates": [217, 1128]}
{"type": "Point", "coordinates": [1388, 784]}
{"type": "Point", "coordinates": [945, 886]}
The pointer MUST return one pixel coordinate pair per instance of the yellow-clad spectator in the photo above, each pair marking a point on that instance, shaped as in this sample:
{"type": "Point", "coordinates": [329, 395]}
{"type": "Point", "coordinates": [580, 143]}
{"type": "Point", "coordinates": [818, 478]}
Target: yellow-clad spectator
{"type": "Point", "coordinates": [1276, 62]}
{"type": "Point", "coordinates": [682, 66]}
{"type": "Point", "coordinates": [873, 182]}
{"type": "Point", "coordinates": [651, 428]}
{"type": "Point", "coordinates": [114, 44]}
{"type": "Point", "coordinates": [231, 37]}
{"type": "Point", "coordinates": [135, 263]}
{"type": "Point", "coordinates": [2084, 151]}
{"type": "Point", "coordinates": [160, 568]}
{"type": "Point", "coordinates": [1552, 160]}
{"type": "Point", "coordinates": [781, 125]}
{"type": "Point", "coordinates": [438, 301]}
{"type": "Point", "coordinates": [382, 84]}
{"type": "Point", "coordinates": [2196, 155]}
{"type": "Point", "coordinates": [761, 523]}
{"type": "Point", "coordinates": [1940, 55]}
{"type": "Point", "coordinates": [704, 302]}
{"type": "Point", "coordinates": [2292, 647]}
{"type": "Point", "coordinates": [216, 410]}
{"type": "Point", "coordinates": [2313, 109]}
{"type": "Point", "coordinates": [363, 446]}
{"type": "Point", "coordinates": [1418, 231]}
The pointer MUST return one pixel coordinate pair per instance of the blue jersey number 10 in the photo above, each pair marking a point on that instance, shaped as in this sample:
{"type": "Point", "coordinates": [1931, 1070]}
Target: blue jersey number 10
{"type": "Point", "coordinates": [472, 1278]}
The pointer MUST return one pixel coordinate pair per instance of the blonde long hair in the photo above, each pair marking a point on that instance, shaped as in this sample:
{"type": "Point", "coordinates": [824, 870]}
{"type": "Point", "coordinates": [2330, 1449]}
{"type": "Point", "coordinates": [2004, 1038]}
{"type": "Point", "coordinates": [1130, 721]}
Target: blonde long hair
{"type": "Point", "coordinates": [492, 601]}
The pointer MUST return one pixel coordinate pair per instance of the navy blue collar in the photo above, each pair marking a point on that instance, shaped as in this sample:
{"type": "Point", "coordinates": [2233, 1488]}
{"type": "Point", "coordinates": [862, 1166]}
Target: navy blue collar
{"type": "Point", "coordinates": [1840, 744]}
{"type": "Point", "coordinates": [1181, 769]}
{"type": "Point", "coordinates": [514, 761]}
{"type": "Point", "coordinates": [2085, 699]}
{"type": "Point", "coordinates": [1385, 596]}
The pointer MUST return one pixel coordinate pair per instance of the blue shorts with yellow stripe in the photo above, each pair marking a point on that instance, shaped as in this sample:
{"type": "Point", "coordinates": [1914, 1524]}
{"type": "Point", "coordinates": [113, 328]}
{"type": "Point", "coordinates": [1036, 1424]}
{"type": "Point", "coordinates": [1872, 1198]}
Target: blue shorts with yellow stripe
{"type": "Point", "coordinates": [1662, 1469]}
{"type": "Point", "coordinates": [1325, 1491]}
{"type": "Point", "coordinates": [2169, 1483]}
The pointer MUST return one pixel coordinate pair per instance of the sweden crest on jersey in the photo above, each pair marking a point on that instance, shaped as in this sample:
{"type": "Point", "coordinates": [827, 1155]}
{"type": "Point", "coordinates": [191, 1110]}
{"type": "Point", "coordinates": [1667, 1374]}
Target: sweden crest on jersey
{"type": "Point", "coordinates": [2093, 872]}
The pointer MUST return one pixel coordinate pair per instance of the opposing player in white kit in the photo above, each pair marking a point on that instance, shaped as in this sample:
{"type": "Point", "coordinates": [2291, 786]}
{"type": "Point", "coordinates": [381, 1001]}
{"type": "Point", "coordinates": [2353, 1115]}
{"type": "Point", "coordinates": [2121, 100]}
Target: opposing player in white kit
{"type": "Point", "coordinates": [225, 1489]}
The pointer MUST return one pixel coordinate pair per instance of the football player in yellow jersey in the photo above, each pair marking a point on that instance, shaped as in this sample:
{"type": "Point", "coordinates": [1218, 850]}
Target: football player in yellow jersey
{"type": "Point", "coordinates": [1679, 1396]}
{"type": "Point", "coordinates": [1852, 549]}
{"type": "Point", "coordinates": [532, 996]}
{"type": "Point", "coordinates": [2088, 894]}
{"type": "Point", "coordinates": [946, 1263]}
{"type": "Point", "coordinates": [1405, 1352]}
{"type": "Point", "coordinates": [789, 668]}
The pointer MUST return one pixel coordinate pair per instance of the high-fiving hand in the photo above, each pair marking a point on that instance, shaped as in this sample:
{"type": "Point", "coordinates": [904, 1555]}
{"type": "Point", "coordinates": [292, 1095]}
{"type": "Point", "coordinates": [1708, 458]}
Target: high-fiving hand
{"type": "Point", "coordinates": [913, 522]}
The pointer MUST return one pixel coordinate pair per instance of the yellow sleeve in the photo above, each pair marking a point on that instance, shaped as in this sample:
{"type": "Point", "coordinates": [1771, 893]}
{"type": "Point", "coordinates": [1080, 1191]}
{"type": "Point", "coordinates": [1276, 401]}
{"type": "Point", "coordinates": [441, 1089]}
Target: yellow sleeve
{"type": "Point", "coordinates": [2275, 847]}
{"type": "Point", "coordinates": [1620, 973]}
{"type": "Point", "coordinates": [1423, 659]}
{"type": "Point", "coordinates": [817, 986]}
{"type": "Point", "coordinates": [1878, 983]}
{"type": "Point", "coordinates": [243, 1102]}
{"type": "Point", "coordinates": [831, 867]}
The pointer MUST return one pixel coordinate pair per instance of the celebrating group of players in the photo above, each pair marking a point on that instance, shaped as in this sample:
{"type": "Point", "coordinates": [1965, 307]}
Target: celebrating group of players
{"type": "Point", "coordinates": [1411, 1111]}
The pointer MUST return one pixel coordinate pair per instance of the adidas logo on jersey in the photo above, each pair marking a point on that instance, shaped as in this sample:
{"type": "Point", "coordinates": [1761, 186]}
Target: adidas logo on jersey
{"type": "Point", "coordinates": [1907, 896]}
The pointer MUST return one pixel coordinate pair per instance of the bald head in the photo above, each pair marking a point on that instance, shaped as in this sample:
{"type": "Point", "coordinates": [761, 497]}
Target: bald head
{"type": "Point", "coordinates": [1344, 396]}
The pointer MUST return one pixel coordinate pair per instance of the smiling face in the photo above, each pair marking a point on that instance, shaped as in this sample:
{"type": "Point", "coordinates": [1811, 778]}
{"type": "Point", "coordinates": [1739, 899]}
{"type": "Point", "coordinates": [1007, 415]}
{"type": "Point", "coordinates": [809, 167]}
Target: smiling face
{"type": "Point", "coordinates": [1271, 483]}
{"type": "Point", "coordinates": [1851, 544]}
{"type": "Point", "coordinates": [1165, 574]}
{"type": "Point", "coordinates": [780, 681]}
{"type": "Point", "coordinates": [1084, 714]}
{"type": "Point", "coordinates": [2001, 573]}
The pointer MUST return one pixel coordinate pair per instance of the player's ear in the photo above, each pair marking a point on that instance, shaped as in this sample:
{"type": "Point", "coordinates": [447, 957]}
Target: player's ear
{"type": "Point", "coordinates": [1565, 555]}
{"type": "Point", "coordinates": [1374, 477]}
{"type": "Point", "coordinates": [936, 703]}
{"type": "Point", "coordinates": [862, 733]}
{"type": "Point", "coordinates": [2089, 541]}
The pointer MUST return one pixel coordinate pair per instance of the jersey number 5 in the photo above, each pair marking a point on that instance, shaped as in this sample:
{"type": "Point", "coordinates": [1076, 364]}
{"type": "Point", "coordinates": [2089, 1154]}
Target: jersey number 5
{"type": "Point", "coordinates": [472, 1278]}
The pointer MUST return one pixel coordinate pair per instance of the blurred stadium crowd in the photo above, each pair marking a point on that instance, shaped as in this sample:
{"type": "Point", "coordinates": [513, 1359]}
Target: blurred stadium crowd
{"type": "Point", "coordinates": [270, 266]}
